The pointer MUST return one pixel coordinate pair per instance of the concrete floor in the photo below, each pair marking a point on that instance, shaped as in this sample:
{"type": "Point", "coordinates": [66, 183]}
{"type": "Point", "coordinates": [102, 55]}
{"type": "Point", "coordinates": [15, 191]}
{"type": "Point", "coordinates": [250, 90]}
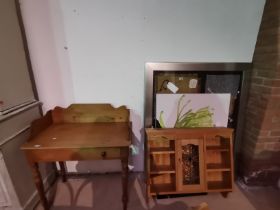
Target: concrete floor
{"type": "Point", "coordinates": [103, 192]}
{"type": "Point", "coordinates": [262, 198]}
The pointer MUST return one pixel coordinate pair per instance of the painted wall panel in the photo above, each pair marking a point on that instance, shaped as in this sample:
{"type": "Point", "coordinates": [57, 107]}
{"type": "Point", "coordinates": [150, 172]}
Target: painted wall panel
{"type": "Point", "coordinates": [15, 84]}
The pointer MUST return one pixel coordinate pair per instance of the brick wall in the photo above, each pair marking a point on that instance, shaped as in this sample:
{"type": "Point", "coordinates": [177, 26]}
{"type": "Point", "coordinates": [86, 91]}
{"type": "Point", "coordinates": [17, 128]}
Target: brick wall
{"type": "Point", "coordinates": [261, 141]}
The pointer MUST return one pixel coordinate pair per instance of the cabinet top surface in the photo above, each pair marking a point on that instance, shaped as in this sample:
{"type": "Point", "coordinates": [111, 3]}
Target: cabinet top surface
{"type": "Point", "coordinates": [189, 130]}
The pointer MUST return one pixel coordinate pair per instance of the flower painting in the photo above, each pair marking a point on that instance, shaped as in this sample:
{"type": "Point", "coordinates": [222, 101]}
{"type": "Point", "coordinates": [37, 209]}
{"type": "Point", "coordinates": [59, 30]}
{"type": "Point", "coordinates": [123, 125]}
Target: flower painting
{"type": "Point", "coordinates": [192, 110]}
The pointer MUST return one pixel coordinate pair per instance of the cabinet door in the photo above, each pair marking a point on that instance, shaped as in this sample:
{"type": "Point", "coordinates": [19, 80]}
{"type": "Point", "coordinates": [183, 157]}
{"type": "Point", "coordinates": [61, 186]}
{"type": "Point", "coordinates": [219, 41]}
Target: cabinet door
{"type": "Point", "coordinates": [190, 165]}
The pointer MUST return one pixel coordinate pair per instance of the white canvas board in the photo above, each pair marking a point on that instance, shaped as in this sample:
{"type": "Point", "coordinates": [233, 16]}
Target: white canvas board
{"type": "Point", "coordinates": [196, 110]}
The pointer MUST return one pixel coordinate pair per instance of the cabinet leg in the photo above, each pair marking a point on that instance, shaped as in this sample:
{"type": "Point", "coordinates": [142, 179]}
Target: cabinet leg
{"type": "Point", "coordinates": [63, 170]}
{"type": "Point", "coordinates": [125, 181]}
{"type": "Point", "coordinates": [39, 184]}
{"type": "Point", "coordinates": [55, 169]}
{"type": "Point", "coordinates": [149, 201]}
{"type": "Point", "coordinates": [224, 194]}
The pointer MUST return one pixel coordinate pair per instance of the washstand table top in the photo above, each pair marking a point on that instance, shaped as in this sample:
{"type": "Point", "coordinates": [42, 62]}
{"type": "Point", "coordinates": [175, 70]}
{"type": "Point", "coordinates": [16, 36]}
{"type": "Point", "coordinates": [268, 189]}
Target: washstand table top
{"type": "Point", "coordinates": [81, 135]}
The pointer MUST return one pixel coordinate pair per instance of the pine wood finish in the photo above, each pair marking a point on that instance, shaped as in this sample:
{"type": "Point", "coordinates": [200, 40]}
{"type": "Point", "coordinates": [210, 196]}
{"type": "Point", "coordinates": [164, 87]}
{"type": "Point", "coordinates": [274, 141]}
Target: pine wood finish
{"type": "Point", "coordinates": [79, 132]}
{"type": "Point", "coordinates": [167, 149]}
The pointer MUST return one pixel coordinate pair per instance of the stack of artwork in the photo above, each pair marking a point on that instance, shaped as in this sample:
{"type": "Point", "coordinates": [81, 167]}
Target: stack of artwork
{"type": "Point", "coordinates": [192, 110]}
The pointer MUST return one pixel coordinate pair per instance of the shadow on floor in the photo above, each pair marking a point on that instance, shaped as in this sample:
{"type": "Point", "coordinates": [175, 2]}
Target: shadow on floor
{"type": "Point", "coordinates": [104, 192]}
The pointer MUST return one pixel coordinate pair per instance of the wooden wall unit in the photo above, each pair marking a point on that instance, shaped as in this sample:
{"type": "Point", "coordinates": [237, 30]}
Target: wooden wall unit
{"type": "Point", "coordinates": [192, 160]}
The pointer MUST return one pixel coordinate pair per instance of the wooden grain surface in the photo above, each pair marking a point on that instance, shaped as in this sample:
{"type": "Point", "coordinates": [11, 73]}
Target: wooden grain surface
{"type": "Point", "coordinates": [80, 132]}
{"type": "Point", "coordinates": [215, 160]}
{"type": "Point", "coordinates": [81, 135]}
{"type": "Point", "coordinates": [84, 113]}
{"type": "Point", "coordinates": [181, 133]}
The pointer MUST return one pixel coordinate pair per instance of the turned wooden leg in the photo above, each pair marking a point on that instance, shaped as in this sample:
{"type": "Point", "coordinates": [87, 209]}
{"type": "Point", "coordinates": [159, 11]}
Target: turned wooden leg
{"type": "Point", "coordinates": [39, 184]}
{"type": "Point", "coordinates": [63, 170]}
{"type": "Point", "coordinates": [125, 179]}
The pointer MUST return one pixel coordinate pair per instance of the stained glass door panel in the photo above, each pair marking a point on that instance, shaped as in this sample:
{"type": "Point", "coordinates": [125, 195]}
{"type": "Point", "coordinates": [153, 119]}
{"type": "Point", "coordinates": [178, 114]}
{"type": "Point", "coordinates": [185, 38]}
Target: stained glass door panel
{"type": "Point", "coordinates": [190, 165]}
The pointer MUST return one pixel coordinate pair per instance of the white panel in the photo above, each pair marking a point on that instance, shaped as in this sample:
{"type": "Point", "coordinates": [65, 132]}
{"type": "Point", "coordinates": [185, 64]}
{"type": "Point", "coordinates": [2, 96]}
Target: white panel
{"type": "Point", "coordinates": [7, 191]}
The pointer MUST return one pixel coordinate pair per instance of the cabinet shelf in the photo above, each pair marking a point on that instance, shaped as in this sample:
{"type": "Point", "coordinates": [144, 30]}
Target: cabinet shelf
{"type": "Point", "coordinates": [162, 188]}
{"type": "Point", "coordinates": [162, 150]}
{"type": "Point", "coordinates": [217, 148]}
{"type": "Point", "coordinates": [217, 167]}
{"type": "Point", "coordinates": [162, 169]}
{"type": "Point", "coordinates": [219, 186]}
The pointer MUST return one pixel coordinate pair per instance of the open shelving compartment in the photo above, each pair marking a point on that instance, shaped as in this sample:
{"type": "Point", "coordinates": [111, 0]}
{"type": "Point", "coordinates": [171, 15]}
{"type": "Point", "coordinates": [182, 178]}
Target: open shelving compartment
{"type": "Point", "coordinates": [162, 166]}
{"type": "Point", "coordinates": [162, 183]}
{"type": "Point", "coordinates": [219, 181]}
{"type": "Point", "coordinates": [162, 163]}
{"type": "Point", "coordinates": [219, 164]}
